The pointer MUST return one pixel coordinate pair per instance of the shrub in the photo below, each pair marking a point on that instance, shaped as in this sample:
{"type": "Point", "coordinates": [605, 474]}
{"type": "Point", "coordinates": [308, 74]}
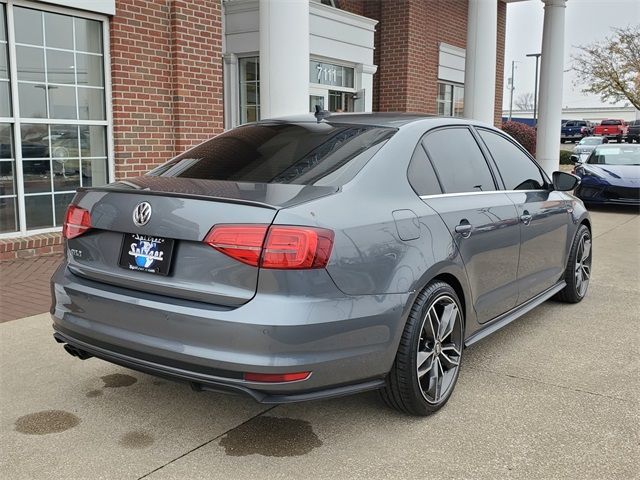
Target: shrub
{"type": "Point", "coordinates": [565, 157]}
{"type": "Point", "coordinates": [523, 134]}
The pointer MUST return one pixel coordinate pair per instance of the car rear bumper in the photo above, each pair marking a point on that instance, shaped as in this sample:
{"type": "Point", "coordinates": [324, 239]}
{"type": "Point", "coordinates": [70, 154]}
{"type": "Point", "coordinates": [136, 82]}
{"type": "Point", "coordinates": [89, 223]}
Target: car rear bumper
{"type": "Point", "coordinates": [348, 343]}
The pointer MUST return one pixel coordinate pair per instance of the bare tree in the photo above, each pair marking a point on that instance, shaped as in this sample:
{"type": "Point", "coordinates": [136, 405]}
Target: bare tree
{"type": "Point", "coordinates": [611, 68]}
{"type": "Point", "coordinates": [524, 101]}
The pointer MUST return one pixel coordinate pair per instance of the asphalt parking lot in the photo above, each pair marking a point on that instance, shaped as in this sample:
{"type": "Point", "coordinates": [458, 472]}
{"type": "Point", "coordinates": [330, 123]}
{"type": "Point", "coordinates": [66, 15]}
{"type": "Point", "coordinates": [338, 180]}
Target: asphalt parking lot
{"type": "Point", "coordinates": [553, 395]}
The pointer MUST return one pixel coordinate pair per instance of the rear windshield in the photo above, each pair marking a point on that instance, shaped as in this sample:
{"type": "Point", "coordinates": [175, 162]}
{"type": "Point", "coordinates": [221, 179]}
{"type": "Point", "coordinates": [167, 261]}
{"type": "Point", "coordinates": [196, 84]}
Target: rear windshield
{"type": "Point", "coordinates": [591, 141]}
{"type": "Point", "coordinates": [611, 122]}
{"type": "Point", "coordinates": [327, 154]}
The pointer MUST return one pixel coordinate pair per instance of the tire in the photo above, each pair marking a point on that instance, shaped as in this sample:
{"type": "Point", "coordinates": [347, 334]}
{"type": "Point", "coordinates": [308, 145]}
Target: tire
{"type": "Point", "coordinates": [578, 272]}
{"type": "Point", "coordinates": [427, 364]}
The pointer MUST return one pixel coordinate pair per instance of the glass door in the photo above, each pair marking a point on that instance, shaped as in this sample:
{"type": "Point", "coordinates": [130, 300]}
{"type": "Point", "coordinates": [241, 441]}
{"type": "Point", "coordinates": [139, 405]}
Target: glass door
{"type": "Point", "coordinates": [318, 96]}
{"type": "Point", "coordinates": [340, 102]}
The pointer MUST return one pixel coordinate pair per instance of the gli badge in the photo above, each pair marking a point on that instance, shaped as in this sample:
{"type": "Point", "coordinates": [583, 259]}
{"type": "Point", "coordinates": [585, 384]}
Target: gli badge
{"type": "Point", "coordinates": [142, 214]}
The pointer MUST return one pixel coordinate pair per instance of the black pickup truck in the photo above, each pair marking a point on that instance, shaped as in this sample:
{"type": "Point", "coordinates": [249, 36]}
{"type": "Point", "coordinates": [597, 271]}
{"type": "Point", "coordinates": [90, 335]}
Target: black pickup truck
{"type": "Point", "coordinates": [633, 133]}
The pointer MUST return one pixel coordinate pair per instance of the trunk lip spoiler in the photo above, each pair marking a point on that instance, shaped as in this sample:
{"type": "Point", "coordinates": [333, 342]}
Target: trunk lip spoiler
{"type": "Point", "coordinates": [209, 198]}
{"type": "Point", "coordinates": [179, 195]}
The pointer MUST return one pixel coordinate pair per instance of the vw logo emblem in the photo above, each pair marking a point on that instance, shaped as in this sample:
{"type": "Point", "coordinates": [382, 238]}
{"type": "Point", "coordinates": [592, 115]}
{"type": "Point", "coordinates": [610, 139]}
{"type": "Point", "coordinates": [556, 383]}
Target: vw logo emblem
{"type": "Point", "coordinates": [142, 214]}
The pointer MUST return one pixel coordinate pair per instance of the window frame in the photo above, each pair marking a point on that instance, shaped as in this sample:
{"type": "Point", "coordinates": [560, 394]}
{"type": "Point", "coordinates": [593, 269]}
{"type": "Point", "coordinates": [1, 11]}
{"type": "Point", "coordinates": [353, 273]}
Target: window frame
{"type": "Point", "coordinates": [239, 83]}
{"type": "Point", "coordinates": [497, 180]}
{"type": "Point", "coordinates": [16, 120]}
{"type": "Point", "coordinates": [475, 129]}
{"type": "Point", "coordinates": [452, 104]}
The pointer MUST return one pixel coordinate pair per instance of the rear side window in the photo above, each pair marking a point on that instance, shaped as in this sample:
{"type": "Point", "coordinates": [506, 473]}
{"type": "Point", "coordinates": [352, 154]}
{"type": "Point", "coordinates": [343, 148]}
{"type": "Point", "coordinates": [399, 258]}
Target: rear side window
{"type": "Point", "coordinates": [421, 175]}
{"type": "Point", "coordinates": [458, 161]}
{"type": "Point", "coordinates": [323, 153]}
{"type": "Point", "coordinates": [517, 170]}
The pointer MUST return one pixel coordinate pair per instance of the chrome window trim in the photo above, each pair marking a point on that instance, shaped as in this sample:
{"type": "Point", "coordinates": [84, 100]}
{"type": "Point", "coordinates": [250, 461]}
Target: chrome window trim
{"type": "Point", "coordinates": [458, 194]}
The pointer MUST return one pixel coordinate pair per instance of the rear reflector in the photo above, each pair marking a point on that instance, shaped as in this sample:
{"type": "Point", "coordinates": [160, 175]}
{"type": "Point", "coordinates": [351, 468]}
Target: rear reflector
{"type": "Point", "coordinates": [276, 377]}
{"type": "Point", "coordinates": [286, 247]}
{"type": "Point", "coordinates": [76, 222]}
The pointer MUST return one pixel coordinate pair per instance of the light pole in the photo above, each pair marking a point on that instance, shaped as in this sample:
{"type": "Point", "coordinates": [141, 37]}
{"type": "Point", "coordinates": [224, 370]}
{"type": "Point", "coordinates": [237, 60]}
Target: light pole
{"type": "Point", "coordinates": [512, 82]}
{"type": "Point", "coordinates": [535, 90]}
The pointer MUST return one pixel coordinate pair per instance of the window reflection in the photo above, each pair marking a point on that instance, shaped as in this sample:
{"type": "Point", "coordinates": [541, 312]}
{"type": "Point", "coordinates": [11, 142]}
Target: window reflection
{"type": "Point", "coordinates": [60, 82]}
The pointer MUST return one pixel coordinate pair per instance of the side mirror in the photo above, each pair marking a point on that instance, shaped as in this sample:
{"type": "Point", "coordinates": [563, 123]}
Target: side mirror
{"type": "Point", "coordinates": [564, 182]}
{"type": "Point", "coordinates": [575, 159]}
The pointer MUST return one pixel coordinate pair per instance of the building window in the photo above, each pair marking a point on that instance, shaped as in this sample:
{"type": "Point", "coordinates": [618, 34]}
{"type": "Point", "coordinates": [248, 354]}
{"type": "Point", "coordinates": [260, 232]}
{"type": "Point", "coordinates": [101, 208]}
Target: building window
{"type": "Point", "coordinates": [59, 136]}
{"type": "Point", "coordinates": [450, 100]}
{"type": "Point", "coordinates": [249, 89]}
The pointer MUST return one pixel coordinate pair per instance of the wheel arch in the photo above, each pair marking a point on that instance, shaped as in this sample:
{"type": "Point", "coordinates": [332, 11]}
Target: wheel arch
{"type": "Point", "coordinates": [451, 280]}
{"type": "Point", "coordinates": [454, 275]}
{"type": "Point", "coordinates": [586, 222]}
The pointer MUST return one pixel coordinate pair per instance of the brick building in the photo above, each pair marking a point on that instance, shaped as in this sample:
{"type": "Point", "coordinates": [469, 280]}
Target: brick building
{"type": "Point", "coordinates": [92, 91]}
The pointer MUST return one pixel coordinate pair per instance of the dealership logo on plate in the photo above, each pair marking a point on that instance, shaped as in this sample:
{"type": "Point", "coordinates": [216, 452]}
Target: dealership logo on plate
{"type": "Point", "coordinates": [145, 250]}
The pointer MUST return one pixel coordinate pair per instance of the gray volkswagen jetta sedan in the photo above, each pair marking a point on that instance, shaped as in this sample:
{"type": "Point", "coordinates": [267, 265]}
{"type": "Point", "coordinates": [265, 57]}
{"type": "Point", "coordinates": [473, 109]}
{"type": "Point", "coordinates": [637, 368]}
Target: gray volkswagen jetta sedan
{"type": "Point", "coordinates": [322, 255]}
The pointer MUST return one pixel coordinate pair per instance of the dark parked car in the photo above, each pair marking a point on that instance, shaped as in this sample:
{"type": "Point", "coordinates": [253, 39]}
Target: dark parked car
{"type": "Point", "coordinates": [611, 174]}
{"type": "Point", "coordinates": [307, 258]}
{"type": "Point", "coordinates": [633, 131]}
{"type": "Point", "coordinates": [575, 130]}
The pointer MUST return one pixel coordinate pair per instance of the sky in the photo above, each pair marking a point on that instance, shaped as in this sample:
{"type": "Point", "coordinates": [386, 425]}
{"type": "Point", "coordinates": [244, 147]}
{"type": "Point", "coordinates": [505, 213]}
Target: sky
{"type": "Point", "coordinates": [586, 21]}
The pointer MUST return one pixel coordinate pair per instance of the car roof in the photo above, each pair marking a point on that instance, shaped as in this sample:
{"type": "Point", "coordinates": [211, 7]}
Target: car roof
{"type": "Point", "coordinates": [386, 119]}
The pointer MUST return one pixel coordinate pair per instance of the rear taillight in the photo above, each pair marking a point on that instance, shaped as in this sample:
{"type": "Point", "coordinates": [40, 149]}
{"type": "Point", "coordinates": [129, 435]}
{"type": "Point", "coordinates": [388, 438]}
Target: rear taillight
{"type": "Point", "coordinates": [242, 242]}
{"type": "Point", "coordinates": [297, 247]}
{"type": "Point", "coordinates": [278, 246]}
{"type": "Point", "coordinates": [76, 222]}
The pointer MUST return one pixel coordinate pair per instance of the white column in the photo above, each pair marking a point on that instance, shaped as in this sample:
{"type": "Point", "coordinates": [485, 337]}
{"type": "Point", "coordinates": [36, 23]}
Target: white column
{"type": "Point", "coordinates": [364, 86]}
{"type": "Point", "coordinates": [480, 64]}
{"type": "Point", "coordinates": [231, 94]}
{"type": "Point", "coordinates": [284, 57]}
{"type": "Point", "coordinates": [550, 97]}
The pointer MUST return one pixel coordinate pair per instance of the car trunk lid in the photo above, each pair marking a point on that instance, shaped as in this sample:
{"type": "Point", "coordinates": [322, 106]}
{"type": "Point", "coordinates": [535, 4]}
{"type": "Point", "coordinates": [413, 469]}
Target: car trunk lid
{"type": "Point", "coordinates": [183, 211]}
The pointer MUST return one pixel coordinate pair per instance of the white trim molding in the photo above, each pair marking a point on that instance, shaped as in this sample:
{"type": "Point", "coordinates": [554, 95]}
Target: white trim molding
{"type": "Point", "coordinates": [106, 7]}
{"type": "Point", "coordinates": [451, 63]}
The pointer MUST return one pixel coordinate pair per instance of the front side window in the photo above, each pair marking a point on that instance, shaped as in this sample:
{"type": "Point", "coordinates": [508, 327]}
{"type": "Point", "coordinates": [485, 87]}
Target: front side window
{"type": "Point", "coordinates": [458, 161]}
{"type": "Point", "coordinates": [323, 154]}
{"type": "Point", "coordinates": [249, 89]}
{"type": "Point", "coordinates": [61, 130]}
{"type": "Point", "coordinates": [517, 170]}
{"type": "Point", "coordinates": [450, 100]}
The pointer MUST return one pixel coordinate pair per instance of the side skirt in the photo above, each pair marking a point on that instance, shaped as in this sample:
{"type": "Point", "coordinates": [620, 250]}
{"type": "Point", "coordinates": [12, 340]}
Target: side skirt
{"type": "Point", "coordinates": [508, 317]}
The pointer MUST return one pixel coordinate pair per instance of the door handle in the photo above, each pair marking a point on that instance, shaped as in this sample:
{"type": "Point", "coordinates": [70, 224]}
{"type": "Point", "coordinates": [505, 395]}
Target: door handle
{"type": "Point", "coordinates": [526, 218]}
{"type": "Point", "coordinates": [464, 229]}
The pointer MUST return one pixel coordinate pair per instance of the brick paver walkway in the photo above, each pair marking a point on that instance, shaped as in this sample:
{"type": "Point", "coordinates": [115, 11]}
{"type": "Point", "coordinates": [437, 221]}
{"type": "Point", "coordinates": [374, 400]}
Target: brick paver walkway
{"type": "Point", "coordinates": [24, 286]}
